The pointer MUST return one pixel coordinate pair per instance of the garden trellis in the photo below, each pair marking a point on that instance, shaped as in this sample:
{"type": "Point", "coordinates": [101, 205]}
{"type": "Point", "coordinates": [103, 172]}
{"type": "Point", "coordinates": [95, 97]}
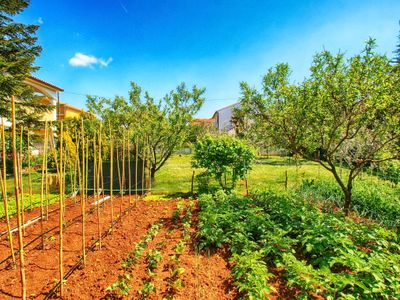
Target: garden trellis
{"type": "Point", "coordinates": [93, 170]}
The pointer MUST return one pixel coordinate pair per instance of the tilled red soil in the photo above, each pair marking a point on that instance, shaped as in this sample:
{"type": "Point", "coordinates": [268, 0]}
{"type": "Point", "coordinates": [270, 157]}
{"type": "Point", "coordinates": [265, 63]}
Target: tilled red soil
{"type": "Point", "coordinates": [204, 277]}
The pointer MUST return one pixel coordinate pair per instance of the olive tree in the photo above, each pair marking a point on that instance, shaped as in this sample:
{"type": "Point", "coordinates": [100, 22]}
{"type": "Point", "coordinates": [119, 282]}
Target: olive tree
{"type": "Point", "coordinates": [347, 111]}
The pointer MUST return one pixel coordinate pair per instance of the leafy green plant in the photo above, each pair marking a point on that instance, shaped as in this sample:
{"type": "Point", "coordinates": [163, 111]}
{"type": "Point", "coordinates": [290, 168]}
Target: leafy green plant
{"type": "Point", "coordinates": [121, 286]}
{"type": "Point", "coordinates": [223, 157]}
{"type": "Point", "coordinates": [377, 201]}
{"type": "Point", "coordinates": [153, 258]}
{"type": "Point", "coordinates": [323, 254]}
{"type": "Point", "coordinates": [180, 247]}
{"type": "Point", "coordinates": [251, 275]}
{"type": "Point", "coordinates": [147, 289]}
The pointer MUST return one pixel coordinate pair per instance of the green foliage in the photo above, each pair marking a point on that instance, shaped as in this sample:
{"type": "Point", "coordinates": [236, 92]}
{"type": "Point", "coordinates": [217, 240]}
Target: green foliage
{"type": "Point", "coordinates": [153, 258]}
{"type": "Point", "coordinates": [345, 111]}
{"type": "Point", "coordinates": [121, 286]}
{"type": "Point", "coordinates": [135, 254]}
{"type": "Point", "coordinates": [251, 275]}
{"type": "Point", "coordinates": [18, 51]}
{"type": "Point", "coordinates": [376, 201]}
{"type": "Point", "coordinates": [180, 246]}
{"type": "Point", "coordinates": [223, 156]}
{"type": "Point", "coordinates": [323, 254]}
{"type": "Point", "coordinates": [147, 289]}
{"type": "Point", "coordinates": [389, 170]}
{"type": "Point", "coordinates": [160, 127]}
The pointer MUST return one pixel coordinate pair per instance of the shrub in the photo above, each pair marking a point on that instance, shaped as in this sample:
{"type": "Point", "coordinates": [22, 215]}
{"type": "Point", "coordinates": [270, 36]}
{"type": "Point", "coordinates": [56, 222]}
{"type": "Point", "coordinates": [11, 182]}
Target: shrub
{"type": "Point", "coordinates": [224, 158]}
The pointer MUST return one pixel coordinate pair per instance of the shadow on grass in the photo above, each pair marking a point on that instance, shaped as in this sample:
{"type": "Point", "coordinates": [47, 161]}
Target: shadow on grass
{"type": "Point", "coordinates": [169, 196]}
{"type": "Point", "coordinates": [281, 162]}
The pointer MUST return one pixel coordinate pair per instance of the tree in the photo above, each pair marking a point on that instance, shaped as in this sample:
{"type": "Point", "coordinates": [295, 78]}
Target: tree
{"type": "Point", "coordinates": [160, 127]}
{"type": "Point", "coordinates": [18, 51]}
{"type": "Point", "coordinates": [346, 111]}
{"type": "Point", "coordinates": [223, 156]}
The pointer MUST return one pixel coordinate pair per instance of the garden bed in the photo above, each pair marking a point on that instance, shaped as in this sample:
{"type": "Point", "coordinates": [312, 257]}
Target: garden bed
{"type": "Point", "coordinates": [205, 277]}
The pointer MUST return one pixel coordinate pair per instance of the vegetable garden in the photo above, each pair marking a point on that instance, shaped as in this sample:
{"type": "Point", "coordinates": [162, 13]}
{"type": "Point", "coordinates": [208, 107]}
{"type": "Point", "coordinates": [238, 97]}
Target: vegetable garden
{"type": "Point", "coordinates": [107, 209]}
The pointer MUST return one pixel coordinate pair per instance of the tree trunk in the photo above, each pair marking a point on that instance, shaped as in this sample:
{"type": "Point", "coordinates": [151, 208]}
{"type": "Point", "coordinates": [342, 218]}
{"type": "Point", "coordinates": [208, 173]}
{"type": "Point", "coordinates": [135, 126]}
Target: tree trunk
{"type": "Point", "coordinates": [347, 201]}
{"type": "Point", "coordinates": [153, 172]}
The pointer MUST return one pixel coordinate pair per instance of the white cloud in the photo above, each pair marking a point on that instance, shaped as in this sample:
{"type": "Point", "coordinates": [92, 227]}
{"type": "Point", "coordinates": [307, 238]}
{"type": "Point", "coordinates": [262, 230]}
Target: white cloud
{"type": "Point", "coordinates": [40, 20]}
{"type": "Point", "coordinates": [83, 60]}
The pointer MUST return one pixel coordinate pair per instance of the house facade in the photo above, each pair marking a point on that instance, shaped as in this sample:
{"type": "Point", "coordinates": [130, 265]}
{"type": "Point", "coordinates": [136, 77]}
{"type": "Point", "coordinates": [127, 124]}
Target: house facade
{"type": "Point", "coordinates": [223, 119]}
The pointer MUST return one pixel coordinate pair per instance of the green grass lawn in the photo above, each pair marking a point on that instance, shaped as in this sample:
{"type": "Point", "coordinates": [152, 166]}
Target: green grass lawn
{"type": "Point", "coordinates": [175, 176]}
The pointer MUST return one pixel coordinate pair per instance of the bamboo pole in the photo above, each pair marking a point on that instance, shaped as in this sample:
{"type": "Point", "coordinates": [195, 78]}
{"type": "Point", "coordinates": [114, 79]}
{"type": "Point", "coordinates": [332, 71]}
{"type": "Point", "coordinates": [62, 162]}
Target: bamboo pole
{"type": "Point", "coordinates": [143, 166]}
{"type": "Point", "coordinates": [101, 162]}
{"type": "Point", "coordinates": [17, 201]}
{"type": "Point", "coordinates": [87, 168]}
{"type": "Point", "coordinates": [61, 213]}
{"type": "Point", "coordinates": [96, 187]}
{"type": "Point", "coordinates": [129, 171]}
{"type": "Point", "coordinates": [4, 191]}
{"type": "Point", "coordinates": [136, 170]}
{"type": "Point", "coordinates": [83, 198]}
{"type": "Point", "coordinates": [47, 135]}
{"type": "Point", "coordinates": [149, 162]}
{"type": "Point", "coordinates": [74, 168]}
{"type": "Point", "coordinates": [21, 182]}
{"type": "Point", "coordinates": [42, 187]}
{"type": "Point", "coordinates": [111, 175]}
{"type": "Point", "coordinates": [119, 181]}
{"type": "Point", "coordinates": [29, 170]}
{"type": "Point", "coordinates": [192, 185]}
{"type": "Point", "coordinates": [123, 166]}
{"type": "Point", "coordinates": [98, 176]}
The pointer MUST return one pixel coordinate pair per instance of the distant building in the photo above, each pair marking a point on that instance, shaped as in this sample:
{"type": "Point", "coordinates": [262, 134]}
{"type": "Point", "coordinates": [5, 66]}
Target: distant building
{"type": "Point", "coordinates": [67, 111]}
{"type": "Point", "coordinates": [203, 121]}
{"type": "Point", "coordinates": [47, 93]}
{"type": "Point", "coordinates": [223, 119]}
{"type": "Point", "coordinates": [50, 94]}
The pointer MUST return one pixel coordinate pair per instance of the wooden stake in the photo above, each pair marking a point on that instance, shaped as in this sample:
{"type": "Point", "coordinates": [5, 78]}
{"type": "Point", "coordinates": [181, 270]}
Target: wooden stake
{"type": "Point", "coordinates": [98, 187]}
{"type": "Point", "coordinates": [119, 182]}
{"type": "Point", "coordinates": [286, 179]}
{"type": "Point", "coordinates": [42, 187]}
{"type": "Point", "coordinates": [4, 191]}
{"type": "Point", "coordinates": [61, 213]}
{"type": "Point", "coordinates": [47, 175]}
{"type": "Point", "coordinates": [111, 175]}
{"type": "Point", "coordinates": [129, 172]}
{"type": "Point", "coordinates": [83, 198]}
{"type": "Point", "coordinates": [149, 173]}
{"type": "Point", "coordinates": [148, 163]}
{"type": "Point", "coordinates": [123, 166]}
{"type": "Point", "coordinates": [192, 186]}
{"type": "Point", "coordinates": [21, 182]}
{"type": "Point", "coordinates": [29, 170]}
{"type": "Point", "coordinates": [17, 201]}
{"type": "Point", "coordinates": [136, 169]}
{"type": "Point", "coordinates": [143, 173]}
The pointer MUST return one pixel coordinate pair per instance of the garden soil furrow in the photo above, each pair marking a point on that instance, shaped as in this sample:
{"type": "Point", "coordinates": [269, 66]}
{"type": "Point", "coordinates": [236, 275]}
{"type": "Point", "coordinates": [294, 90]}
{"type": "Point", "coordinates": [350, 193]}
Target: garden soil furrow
{"type": "Point", "coordinates": [42, 265]}
{"type": "Point", "coordinates": [205, 277]}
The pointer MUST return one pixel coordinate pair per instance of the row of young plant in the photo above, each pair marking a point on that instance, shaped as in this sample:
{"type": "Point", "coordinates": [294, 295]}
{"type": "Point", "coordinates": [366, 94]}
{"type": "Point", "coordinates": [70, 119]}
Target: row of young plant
{"type": "Point", "coordinates": [175, 281]}
{"type": "Point", "coordinates": [377, 201]}
{"type": "Point", "coordinates": [121, 287]}
{"type": "Point", "coordinates": [316, 253]}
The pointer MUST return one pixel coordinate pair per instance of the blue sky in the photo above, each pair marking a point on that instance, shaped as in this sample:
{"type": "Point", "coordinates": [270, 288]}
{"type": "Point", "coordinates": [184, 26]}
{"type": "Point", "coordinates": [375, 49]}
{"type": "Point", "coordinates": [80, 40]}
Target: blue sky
{"type": "Point", "coordinates": [97, 46]}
